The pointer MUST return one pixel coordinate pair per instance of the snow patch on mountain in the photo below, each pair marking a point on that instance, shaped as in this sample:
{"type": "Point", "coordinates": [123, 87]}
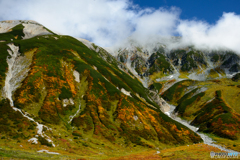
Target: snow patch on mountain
{"type": "Point", "coordinates": [202, 89]}
{"type": "Point", "coordinates": [170, 77]}
{"type": "Point", "coordinates": [205, 138]}
{"type": "Point", "coordinates": [39, 128]}
{"type": "Point", "coordinates": [9, 83]}
{"type": "Point", "coordinates": [66, 102]}
{"type": "Point", "coordinates": [125, 92]}
{"type": "Point", "coordinates": [94, 67]}
{"type": "Point", "coordinates": [33, 140]}
{"type": "Point", "coordinates": [135, 118]}
{"type": "Point", "coordinates": [76, 75]}
{"type": "Point", "coordinates": [71, 117]}
{"type": "Point", "coordinates": [46, 151]}
{"type": "Point", "coordinates": [18, 67]}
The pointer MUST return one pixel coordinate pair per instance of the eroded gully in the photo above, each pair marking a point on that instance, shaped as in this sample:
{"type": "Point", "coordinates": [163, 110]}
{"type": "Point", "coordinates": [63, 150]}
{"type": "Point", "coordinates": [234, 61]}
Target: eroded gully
{"type": "Point", "coordinates": [206, 139]}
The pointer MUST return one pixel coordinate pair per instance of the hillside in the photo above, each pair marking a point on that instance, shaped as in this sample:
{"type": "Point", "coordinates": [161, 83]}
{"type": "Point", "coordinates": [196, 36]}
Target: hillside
{"type": "Point", "coordinates": [182, 63]}
{"type": "Point", "coordinates": [203, 85]}
{"type": "Point", "coordinates": [72, 97]}
{"type": "Point", "coordinates": [210, 105]}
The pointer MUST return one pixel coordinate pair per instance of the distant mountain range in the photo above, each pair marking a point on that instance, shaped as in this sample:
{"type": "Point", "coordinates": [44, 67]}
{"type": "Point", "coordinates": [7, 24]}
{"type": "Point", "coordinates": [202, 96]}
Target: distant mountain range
{"type": "Point", "coordinates": [181, 63]}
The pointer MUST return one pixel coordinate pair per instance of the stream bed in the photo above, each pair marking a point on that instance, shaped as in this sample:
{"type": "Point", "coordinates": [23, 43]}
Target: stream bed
{"type": "Point", "coordinates": [206, 139]}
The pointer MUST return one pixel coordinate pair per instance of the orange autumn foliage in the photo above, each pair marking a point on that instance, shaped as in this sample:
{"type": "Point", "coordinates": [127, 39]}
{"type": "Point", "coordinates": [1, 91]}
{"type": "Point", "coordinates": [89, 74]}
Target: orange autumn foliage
{"type": "Point", "coordinates": [70, 78]}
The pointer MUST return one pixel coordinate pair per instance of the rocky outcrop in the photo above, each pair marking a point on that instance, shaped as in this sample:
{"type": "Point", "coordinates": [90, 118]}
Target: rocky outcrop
{"type": "Point", "coordinates": [235, 68]}
{"type": "Point", "coordinates": [230, 59]}
{"type": "Point", "coordinates": [18, 67]}
{"type": "Point", "coordinates": [164, 107]}
{"type": "Point", "coordinates": [30, 28]}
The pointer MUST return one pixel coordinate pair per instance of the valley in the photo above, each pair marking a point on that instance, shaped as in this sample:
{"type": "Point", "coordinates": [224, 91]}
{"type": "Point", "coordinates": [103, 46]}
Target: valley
{"type": "Point", "coordinates": [206, 139]}
{"type": "Point", "coordinates": [66, 98]}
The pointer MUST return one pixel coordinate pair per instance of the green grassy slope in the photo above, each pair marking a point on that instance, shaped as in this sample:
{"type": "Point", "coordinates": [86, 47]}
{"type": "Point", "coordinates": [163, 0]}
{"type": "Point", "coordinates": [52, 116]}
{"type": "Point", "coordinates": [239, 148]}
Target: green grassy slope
{"type": "Point", "coordinates": [215, 109]}
{"type": "Point", "coordinates": [107, 120]}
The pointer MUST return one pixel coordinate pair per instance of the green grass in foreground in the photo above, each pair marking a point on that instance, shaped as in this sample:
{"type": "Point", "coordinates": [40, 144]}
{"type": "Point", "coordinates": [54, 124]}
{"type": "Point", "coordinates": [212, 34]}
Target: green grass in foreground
{"type": "Point", "coordinates": [19, 154]}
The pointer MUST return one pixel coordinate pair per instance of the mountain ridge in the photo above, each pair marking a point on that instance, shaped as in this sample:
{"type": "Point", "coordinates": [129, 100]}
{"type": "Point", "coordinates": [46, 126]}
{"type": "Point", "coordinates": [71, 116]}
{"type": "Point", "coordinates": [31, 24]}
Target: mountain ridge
{"type": "Point", "coordinates": [60, 93]}
{"type": "Point", "coordinates": [74, 98]}
{"type": "Point", "coordinates": [179, 63]}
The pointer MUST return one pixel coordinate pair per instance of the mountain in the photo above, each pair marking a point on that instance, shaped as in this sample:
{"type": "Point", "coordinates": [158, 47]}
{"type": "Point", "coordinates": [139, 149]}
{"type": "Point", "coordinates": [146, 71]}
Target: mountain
{"type": "Point", "coordinates": [211, 105]}
{"type": "Point", "coordinates": [70, 96]}
{"type": "Point", "coordinates": [203, 85]}
{"type": "Point", "coordinates": [72, 99]}
{"type": "Point", "coordinates": [182, 63]}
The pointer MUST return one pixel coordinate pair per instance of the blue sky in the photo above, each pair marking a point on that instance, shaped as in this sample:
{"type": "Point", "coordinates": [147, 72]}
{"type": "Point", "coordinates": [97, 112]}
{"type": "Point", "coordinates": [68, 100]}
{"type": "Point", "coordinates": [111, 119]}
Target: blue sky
{"type": "Point", "coordinates": [206, 10]}
{"type": "Point", "coordinates": [206, 24]}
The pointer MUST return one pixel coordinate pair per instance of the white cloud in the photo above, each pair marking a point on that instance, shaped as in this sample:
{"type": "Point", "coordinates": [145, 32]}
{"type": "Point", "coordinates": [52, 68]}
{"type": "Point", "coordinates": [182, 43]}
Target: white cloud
{"type": "Point", "coordinates": [111, 22]}
{"type": "Point", "coordinates": [101, 21]}
{"type": "Point", "coordinates": [155, 23]}
{"type": "Point", "coordinates": [222, 35]}
{"type": "Point", "coordinates": [105, 22]}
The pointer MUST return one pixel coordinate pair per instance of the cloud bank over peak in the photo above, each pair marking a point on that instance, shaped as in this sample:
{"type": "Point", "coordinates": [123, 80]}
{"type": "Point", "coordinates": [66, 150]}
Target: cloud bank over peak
{"type": "Point", "coordinates": [222, 35]}
{"type": "Point", "coordinates": [115, 22]}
